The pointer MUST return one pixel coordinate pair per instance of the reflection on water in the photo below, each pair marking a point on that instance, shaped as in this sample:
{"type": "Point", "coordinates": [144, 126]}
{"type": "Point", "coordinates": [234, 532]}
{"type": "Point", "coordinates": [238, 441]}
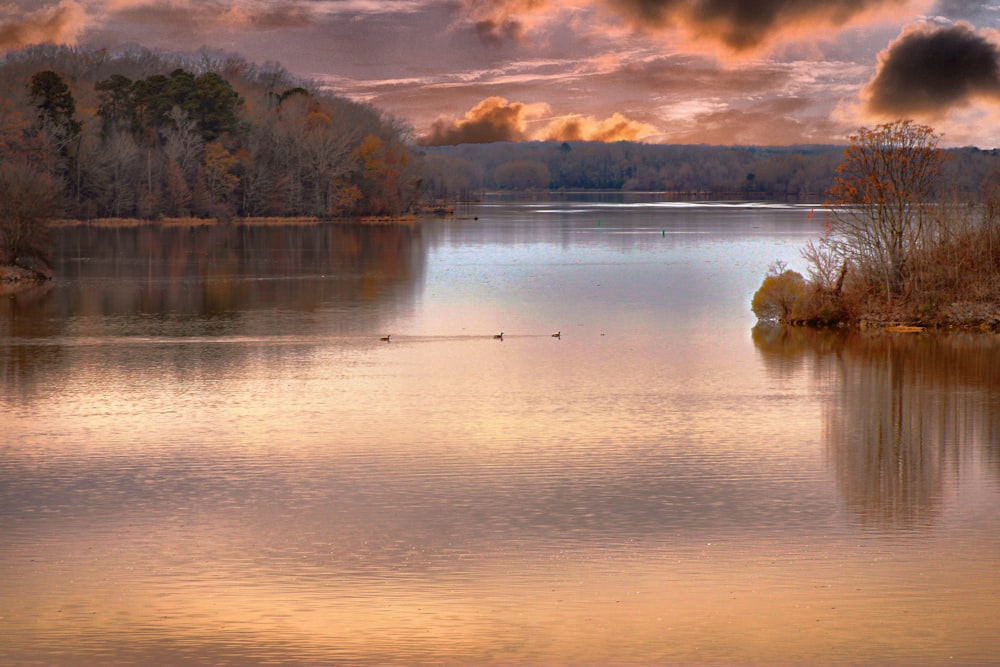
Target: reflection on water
{"type": "Point", "coordinates": [907, 413]}
{"type": "Point", "coordinates": [208, 456]}
{"type": "Point", "coordinates": [183, 283]}
{"type": "Point", "coordinates": [219, 271]}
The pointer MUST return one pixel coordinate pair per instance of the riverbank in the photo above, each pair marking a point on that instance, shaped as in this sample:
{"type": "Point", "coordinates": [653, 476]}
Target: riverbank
{"type": "Point", "coordinates": [959, 316]}
{"type": "Point", "coordinates": [208, 222]}
{"type": "Point", "coordinates": [956, 316]}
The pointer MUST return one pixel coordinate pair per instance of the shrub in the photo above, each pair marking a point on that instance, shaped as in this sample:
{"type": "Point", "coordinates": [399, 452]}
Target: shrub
{"type": "Point", "coordinates": [780, 294]}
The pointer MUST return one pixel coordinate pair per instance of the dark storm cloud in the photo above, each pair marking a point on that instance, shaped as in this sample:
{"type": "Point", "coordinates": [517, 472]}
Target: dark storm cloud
{"type": "Point", "coordinates": [742, 25]}
{"type": "Point", "coordinates": [737, 25]}
{"type": "Point", "coordinates": [930, 70]}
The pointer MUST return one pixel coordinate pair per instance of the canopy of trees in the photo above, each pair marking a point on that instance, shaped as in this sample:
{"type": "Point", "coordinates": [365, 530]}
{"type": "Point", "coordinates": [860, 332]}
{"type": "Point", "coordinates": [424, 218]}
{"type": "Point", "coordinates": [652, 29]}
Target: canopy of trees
{"type": "Point", "coordinates": [140, 134]}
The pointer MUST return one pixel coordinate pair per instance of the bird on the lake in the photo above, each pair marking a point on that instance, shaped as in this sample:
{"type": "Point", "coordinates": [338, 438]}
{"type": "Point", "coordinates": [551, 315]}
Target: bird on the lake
{"type": "Point", "coordinates": [498, 336]}
{"type": "Point", "coordinates": [385, 338]}
{"type": "Point", "coordinates": [557, 334]}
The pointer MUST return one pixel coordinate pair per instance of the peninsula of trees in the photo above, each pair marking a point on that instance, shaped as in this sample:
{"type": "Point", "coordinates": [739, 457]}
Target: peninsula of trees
{"type": "Point", "coordinates": [898, 251]}
{"type": "Point", "coordinates": [146, 135]}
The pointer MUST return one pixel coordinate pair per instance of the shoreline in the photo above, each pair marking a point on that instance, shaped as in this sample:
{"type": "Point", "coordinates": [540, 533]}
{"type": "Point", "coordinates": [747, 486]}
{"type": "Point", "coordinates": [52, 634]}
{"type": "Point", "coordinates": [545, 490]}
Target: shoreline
{"type": "Point", "coordinates": [123, 223]}
{"type": "Point", "coordinates": [984, 324]}
{"type": "Point", "coordinates": [14, 279]}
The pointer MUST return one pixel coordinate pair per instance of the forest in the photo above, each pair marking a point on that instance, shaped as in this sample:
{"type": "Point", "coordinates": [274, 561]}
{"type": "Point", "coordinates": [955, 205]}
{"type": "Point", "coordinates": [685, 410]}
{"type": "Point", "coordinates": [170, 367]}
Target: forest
{"type": "Point", "coordinates": [146, 135]}
{"type": "Point", "coordinates": [684, 171]}
{"type": "Point", "coordinates": [138, 134]}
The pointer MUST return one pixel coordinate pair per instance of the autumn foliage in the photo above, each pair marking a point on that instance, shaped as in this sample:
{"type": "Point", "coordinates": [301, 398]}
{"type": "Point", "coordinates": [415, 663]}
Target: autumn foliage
{"type": "Point", "coordinates": [780, 295]}
{"type": "Point", "coordinates": [143, 135]}
{"type": "Point", "coordinates": [897, 250]}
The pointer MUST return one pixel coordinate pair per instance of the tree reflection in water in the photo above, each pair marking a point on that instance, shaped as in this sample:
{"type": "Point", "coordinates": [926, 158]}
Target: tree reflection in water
{"type": "Point", "coordinates": [905, 413]}
{"type": "Point", "coordinates": [179, 282]}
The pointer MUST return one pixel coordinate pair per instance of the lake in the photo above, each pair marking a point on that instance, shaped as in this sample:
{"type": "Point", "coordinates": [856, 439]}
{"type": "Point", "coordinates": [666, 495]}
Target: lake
{"type": "Point", "coordinates": [208, 456]}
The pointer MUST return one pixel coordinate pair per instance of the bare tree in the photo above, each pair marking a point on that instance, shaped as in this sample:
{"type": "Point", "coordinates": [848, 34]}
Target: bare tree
{"type": "Point", "coordinates": [182, 148]}
{"type": "Point", "coordinates": [880, 196]}
{"type": "Point", "coordinates": [182, 141]}
{"type": "Point", "coordinates": [26, 205]}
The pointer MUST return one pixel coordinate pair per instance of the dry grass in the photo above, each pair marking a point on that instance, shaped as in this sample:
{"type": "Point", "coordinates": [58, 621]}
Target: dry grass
{"type": "Point", "coordinates": [278, 221]}
{"type": "Point", "coordinates": [182, 222]}
{"type": "Point", "coordinates": [408, 219]}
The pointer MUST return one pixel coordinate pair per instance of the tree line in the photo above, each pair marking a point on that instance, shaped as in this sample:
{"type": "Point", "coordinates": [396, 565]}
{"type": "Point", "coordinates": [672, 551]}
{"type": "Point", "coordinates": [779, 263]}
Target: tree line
{"type": "Point", "coordinates": [147, 135]}
{"type": "Point", "coordinates": [802, 172]}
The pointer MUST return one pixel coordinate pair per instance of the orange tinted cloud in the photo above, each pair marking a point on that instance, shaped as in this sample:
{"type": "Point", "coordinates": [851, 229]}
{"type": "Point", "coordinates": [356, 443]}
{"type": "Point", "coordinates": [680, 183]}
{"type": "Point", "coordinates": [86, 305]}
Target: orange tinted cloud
{"type": "Point", "coordinates": [493, 119]}
{"type": "Point", "coordinates": [588, 128]}
{"type": "Point", "coordinates": [59, 24]}
{"type": "Point", "coordinates": [202, 17]}
{"type": "Point", "coordinates": [930, 70]}
{"type": "Point", "coordinates": [497, 119]}
{"type": "Point", "coordinates": [737, 26]}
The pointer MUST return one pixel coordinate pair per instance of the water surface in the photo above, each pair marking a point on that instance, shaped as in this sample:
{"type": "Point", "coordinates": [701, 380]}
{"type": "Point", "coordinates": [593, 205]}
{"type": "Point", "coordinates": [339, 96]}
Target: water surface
{"type": "Point", "coordinates": [208, 456]}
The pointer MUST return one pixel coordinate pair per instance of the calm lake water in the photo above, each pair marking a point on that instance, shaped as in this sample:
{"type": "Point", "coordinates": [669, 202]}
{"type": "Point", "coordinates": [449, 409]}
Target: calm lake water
{"type": "Point", "coordinates": [209, 457]}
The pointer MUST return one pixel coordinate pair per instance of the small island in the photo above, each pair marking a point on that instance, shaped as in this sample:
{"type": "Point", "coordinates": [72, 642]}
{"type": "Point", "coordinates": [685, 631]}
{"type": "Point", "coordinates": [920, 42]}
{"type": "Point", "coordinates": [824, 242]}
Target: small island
{"type": "Point", "coordinates": [898, 253]}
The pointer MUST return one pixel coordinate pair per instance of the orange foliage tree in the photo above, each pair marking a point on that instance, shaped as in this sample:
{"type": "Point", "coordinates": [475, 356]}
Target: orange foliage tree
{"type": "Point", "coordinates": [780, 295]}
{"type": "Point", "coordinates": [382, 165]}
{"type": "Point", "coordinates": [880, 197]}
{"type": "Point", "coordinates": [219, 170]}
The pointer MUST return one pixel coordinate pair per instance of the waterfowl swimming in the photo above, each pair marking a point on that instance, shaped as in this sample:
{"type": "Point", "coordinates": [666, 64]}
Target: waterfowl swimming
{"type": "Point", "coordinates": [557, 334]}
{"type": "Point", "coordinates": [385, 338]}
{"type": "Point", "coordinates": [498, 336]}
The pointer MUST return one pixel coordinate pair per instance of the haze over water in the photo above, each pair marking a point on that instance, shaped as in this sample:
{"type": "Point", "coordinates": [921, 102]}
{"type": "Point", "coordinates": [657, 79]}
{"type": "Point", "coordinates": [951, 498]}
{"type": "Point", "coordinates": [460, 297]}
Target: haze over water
{"type": "Point", "coordinates": [208, 456]}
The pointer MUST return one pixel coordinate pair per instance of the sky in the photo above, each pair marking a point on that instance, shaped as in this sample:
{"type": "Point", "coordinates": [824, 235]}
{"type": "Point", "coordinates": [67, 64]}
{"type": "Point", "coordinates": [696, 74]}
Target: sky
{"type": "Point", "coordinates": [748, 72]}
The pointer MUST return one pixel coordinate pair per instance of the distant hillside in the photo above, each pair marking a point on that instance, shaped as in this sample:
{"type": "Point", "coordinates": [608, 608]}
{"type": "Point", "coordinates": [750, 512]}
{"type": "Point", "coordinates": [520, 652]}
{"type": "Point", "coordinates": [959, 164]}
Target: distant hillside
{"type": "Point", "coordinates": [803, 172]}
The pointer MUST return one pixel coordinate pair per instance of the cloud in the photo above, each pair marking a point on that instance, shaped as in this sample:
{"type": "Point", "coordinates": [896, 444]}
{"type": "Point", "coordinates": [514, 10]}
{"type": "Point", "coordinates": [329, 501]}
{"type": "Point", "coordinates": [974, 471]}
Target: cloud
{"type": "Point", "coordinates": [59, 24]}
{"type": "Point", "coordinates": [769, 122]}
{"type": "Point", "coordinates": [203, 17]}
{"type": "Point", "coordinates": [588, 128]}
{"type": "Point", "coordinates": [493, 119]}
{"type": "Point", "coordinates": [976, 12]}
{"type": "Point", "coordinates": [267, 17]}
{"type": "Point", "coordinates": [737, 26]}
{"type": "Point", "coordinates": [741, 25]}
{"type": "Point", "coordinates": [500, 21]}
{"type": "Point", "coordinates": [497, 119]}
{"type": "Point", "coordinates": [931, 70]}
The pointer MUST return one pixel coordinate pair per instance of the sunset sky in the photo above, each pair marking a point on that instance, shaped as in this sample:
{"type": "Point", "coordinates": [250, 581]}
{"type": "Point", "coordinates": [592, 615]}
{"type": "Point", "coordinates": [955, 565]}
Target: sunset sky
{"type": "Point", "coordinates": [667, 71]}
